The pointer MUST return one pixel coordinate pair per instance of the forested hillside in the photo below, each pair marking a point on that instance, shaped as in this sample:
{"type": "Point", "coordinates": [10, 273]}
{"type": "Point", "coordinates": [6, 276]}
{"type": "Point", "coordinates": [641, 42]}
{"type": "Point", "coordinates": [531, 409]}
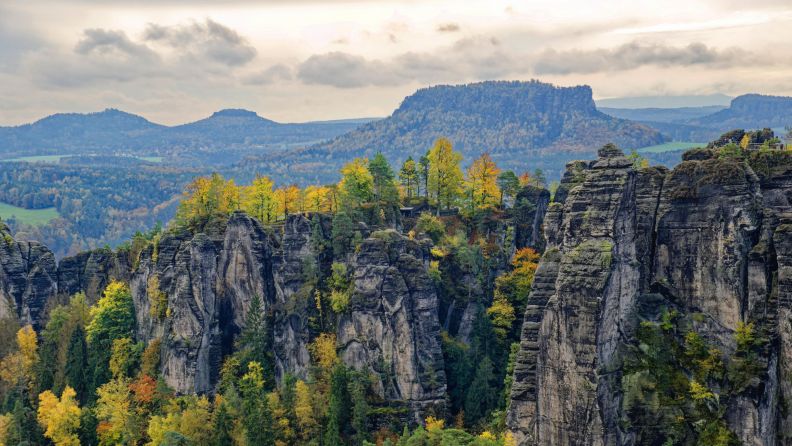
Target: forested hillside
{"type": "Point", "coordinates": [421, 305]}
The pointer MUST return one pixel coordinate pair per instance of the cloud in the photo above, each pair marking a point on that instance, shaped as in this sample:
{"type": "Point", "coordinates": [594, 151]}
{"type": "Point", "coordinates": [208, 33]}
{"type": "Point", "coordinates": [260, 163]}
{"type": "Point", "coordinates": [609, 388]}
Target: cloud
{"type": "Point", "coordinates": [269, 75]}
{"type": "Point", "coordinates": [472, 58]}
{"type": "Point", "coordinates": [448, 27]}
{"type": "Point", "coordinates": [104, 42]}
{"type": "Point", "coordinates": [633, 55]}
{"type": "Point", "coordinates": [206, 41]}
{"type": "Point", "coordinates": [344, 70]}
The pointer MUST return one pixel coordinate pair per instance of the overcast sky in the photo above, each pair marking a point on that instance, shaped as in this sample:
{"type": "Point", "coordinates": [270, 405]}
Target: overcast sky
{"type": "Point", "coordinates": [174, 61]}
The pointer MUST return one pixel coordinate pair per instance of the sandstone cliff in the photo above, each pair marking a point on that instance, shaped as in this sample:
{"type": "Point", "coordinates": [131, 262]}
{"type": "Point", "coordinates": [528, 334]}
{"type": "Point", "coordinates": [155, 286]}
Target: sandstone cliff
{"type": "Point", "coordinates": [702, 246]}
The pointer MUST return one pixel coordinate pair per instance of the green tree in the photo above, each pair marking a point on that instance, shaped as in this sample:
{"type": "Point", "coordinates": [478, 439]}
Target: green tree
{"type": "Point", "coordinates": [482, 396]}
{"type": "Point", "coordinates": [222, 426]}
{"type": "Point", "coordinates": [445, 174]}
{"type": "Point", "coordinates": [113, 318]}
{"type": "Point", "coordinates": [509, 185]}
{"type": "Point", "coordinates": [409, 177]}
{"type": "Point", "coordinates": [77, 364]}
{"type": "Point", "coordinates": [256, 413]}
{"type": "Point", "coordinates": [356, 186]}
{"type": "Point", "coordinates": [423, 174]}
{"type": "Point", "coordinates": [254, 342]}
{"type": "Point", "coordinates": [386, 194]}
{"type": "Point", "coordinates": [360, 408]}
{"type": "Point", "coordinates": [338, 407]}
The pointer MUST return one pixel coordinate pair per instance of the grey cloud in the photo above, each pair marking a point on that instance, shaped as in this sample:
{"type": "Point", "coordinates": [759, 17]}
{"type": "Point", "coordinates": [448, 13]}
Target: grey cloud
{"type": "Point", "coordinates": [472, 58]}
{"type": "Point", "coordinates": [345, 70]}
{"type": "Point", "coordinates": [105, 41]}
{"type": "Point", "coordinates": [634, 55]}
{"type": "Point", "coordinates": [448, 27]}
{"type": "Point", "coordinates": [209, 41]}
{"type": "Point", "coordinates": [269, 75]}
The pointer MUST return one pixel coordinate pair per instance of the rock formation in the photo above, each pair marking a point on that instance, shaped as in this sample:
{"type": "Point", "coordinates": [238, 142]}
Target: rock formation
{"type": "Point", "coordinates": [707, 240]}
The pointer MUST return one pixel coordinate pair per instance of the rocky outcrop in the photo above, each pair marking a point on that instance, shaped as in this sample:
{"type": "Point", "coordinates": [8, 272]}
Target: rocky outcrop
{"type": "Point", "coordinates": [707, 239]}
{"type": "Point", "coordinates": [530, 206]}
{"type": "Point", "coordinates": [391, 326]}
{"type": "Point", "coordinates": [91, 271]}
{"type": "Point", "coordinates": [28, 279]}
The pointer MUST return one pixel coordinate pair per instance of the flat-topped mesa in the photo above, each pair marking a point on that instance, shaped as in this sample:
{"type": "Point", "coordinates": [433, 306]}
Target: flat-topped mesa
{"type": "Point", "coordinates": [628, 245]}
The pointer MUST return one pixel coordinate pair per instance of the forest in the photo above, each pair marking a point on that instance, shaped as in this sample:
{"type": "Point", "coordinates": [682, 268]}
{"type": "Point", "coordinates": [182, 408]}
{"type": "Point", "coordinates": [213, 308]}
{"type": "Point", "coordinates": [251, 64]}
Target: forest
{"type": "Point", "coordinates": [85, 378]}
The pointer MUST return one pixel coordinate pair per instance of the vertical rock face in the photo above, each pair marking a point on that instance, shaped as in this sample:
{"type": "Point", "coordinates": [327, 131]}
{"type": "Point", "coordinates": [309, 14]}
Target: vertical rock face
{"type": "Point", "coordinates": [529, 209]}
{"type": "Point", "coordinates": [708, 238]}
{"type": "Point", "coordinates": [391, 326]}
{"type": "Point", "coordinates": [90, 272]}
{"type": "Point", "coordinates": [28, 279]}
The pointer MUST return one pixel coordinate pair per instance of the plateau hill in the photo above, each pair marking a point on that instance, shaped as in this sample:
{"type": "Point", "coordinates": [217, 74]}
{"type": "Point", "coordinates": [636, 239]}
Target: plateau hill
{"type": "Point", "coordinates": [522, 124]}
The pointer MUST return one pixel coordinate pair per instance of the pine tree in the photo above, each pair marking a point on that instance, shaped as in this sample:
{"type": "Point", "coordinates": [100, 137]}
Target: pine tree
{"type": "Point", "coordinates": [360, 408]}
{"type": "Point", "coordinates": [423, 174]}
{"type": "Point", "coordinates": [509, 185]}
{"type": "Point", "coordinates": [76, 364]}
{"type": "Point", "coordinates": [481, 396]}
{"type": "Point", "coordinates": [338, 408]}
{"type": "Point", "coordinates": [254, 341]}
{"type": "Point", "coordinates": [256, 413]}
{"type": "Point", "coordinates": [222, 427]}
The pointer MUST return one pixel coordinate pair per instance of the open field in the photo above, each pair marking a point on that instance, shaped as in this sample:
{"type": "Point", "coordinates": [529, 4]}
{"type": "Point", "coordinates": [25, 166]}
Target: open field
{"type": "Point", "coordinates": [671, 147]}
{"type": "Point", "coordinates": [28, 216]}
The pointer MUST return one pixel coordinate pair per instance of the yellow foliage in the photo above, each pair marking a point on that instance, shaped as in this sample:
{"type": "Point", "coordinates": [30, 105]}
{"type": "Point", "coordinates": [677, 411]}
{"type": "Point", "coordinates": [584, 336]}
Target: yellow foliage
{"type": "Point", "coordinates": [320, 199]}
{"type": "Point", "coordinates": [5, 422]}
{"type": "Point", "coordinates": [445, 175]}
{"type": "Point", "coordinates": [437, 252]}
{"type": "Point", "coordinates": [509, 440]}
{"type": "Point", "coordinates": [434, 424]}
{"type": "Point", "coordinates": [502, 314]}
{"type": "Point", "coordinates": [745, 141]}
{"type": "Point", "coordinates": [482, 181]}
{"type": "Point", "coordinates": [189, 416]}
{"type": "Point", "coordinates": [303, 408]}
{"type": "Point", "coordinates": [117, 423]}
{"type": "Point", "coordinates": [19, 365]}
{"type": "Point", "coordinates": [357, 184]}
{"type": "Point", "coordinates": [287, 198]}
{"type": "Point", "coordinates": [158, 300]}
{"type": "Point", "coordinates": [60, 418]}
{"type": "Point", "coordinates": [700, 392]}
{"type": "Point", "coordinates": [258, 199]}
{"type": "Point", "coordinates": [323, 350]}
{"type": "Point", "coordinates": [208, 196]}
{"type": "Point", "coordinates": [487, 435]}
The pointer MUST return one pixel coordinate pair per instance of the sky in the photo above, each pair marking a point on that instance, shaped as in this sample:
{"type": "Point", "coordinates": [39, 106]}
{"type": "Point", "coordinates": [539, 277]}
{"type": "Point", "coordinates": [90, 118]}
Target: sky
{"type": "Point", "coordinates": [175, 61]}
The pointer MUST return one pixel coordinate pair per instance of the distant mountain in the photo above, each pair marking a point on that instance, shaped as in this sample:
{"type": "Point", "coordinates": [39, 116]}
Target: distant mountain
{"type": "Point", "coordinates": [522, 124]}
{"type": "Point", "coordinates": [666, 101]}
{"type": "Point", "coordinates": [750, 111]}
{"type": "Point", "coordinates": [225, 136]}
{"type": "Point", "coordinates": [679, 115]}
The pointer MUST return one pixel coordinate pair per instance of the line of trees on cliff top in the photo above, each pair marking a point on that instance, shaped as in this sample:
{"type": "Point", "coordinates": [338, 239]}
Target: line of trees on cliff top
{"type": "Point", "coordinates": [436, 179]}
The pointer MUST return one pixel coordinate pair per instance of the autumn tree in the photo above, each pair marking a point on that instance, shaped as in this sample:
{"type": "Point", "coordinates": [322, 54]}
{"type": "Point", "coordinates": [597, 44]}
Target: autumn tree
{"type": "Point", "coordinates": [445, 176]}
{"type": "Point", "coordinates": [287, 198]}
{"type": "Point", "coordinates": [258, 199]}
{"type": "Point", "coordinates": [60, 418]}
{"type": "Point", "coordinates": [304, 411]}
{"type": "Point", "coordinates": [118, 421]}
{"type": "Point", "coordinates": [188, 416]}
{"type": "Point", "coordinates": [409, 177]}
{"type": "Point", "coordinates": [206, 197]}
{"type": "Point", "coordinates": [18, 368]}
{"type": "Point", "coordinates": [482, 181]}
{"type": "Point", "coordinates": [356, 186]}
{"type": "Point", "coordinates": [320, 199]}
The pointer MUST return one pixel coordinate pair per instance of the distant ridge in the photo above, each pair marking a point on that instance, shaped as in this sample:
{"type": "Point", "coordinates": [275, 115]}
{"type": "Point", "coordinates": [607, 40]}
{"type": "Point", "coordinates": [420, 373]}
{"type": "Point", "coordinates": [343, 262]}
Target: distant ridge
{"type": "Point", "coordinates": [522, 124]}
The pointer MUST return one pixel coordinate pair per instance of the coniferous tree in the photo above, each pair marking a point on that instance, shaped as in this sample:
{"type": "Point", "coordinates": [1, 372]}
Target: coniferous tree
{"type": "Point", "coordinates": [256, 413]}
{"type": "Point", "coordinates": [222, 426]}
{"type": "Point", "coordinates": [481, 396]}
{"type": "Point", "coordinates": [338, 408]}
{"type": "Point", "coordinates": [76, 363]}
{"type": "Point", "coordinates": [360, 408]}
{"type": "Point", "coordinates": [409, 177]}
{"type": "Point", "coordinates": [254, 341]}
{"type": "Point", "coordinates": [423, 174]}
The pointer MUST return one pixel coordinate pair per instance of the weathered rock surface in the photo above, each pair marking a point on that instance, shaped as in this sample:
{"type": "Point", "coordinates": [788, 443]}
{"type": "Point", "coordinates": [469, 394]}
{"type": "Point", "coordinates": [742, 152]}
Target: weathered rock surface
{"type": "Point", "coordinates": [28, 279]}
{"type": "Point", "coordinates": [392, 327]}
{"type": "Point", "coordinates": [708, 238]}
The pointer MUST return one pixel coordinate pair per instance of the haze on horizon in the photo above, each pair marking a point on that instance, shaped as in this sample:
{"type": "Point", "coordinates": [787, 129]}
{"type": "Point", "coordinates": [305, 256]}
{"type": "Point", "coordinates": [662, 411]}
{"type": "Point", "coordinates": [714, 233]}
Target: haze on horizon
{"type": "Point", "coordinates": [174, 61]}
